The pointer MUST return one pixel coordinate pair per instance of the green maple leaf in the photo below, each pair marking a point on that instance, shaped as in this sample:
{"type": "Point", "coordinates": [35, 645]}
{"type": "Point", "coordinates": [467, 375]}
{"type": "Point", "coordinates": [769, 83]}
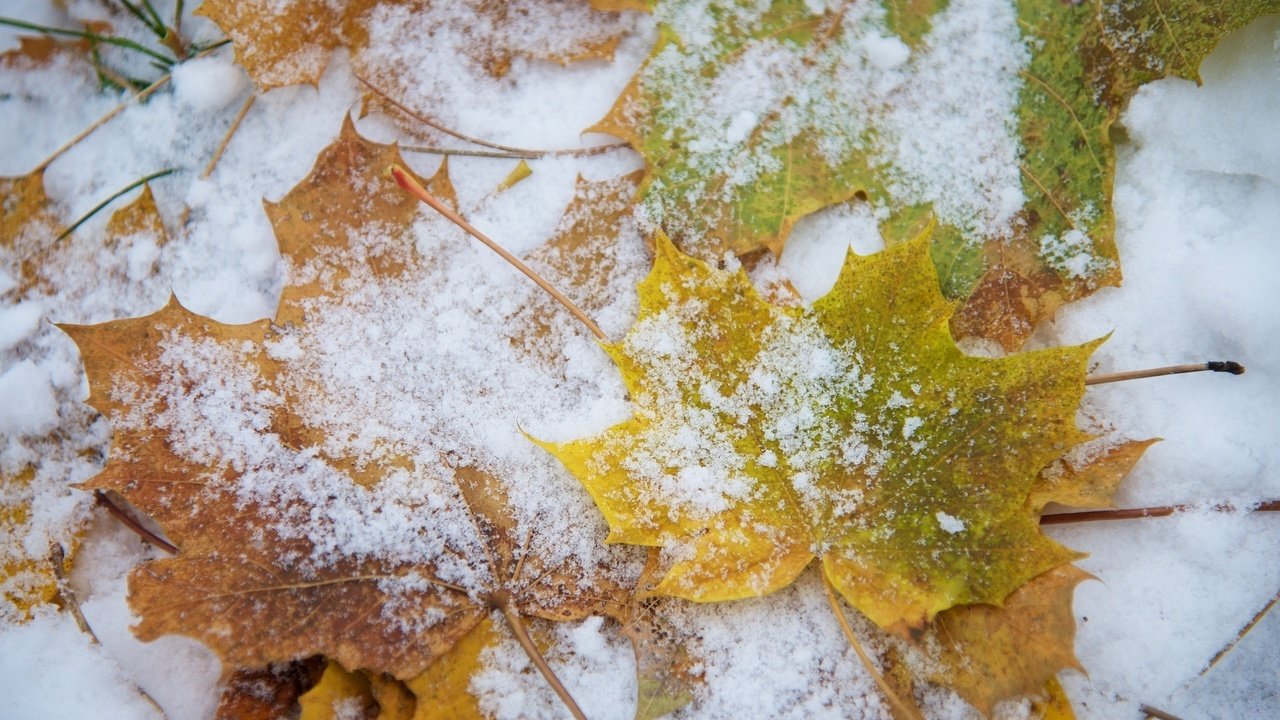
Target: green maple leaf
{"type": "Point", "coordinates": [758, 116]}
{"type": "Point", "coordinates": [853, 432]}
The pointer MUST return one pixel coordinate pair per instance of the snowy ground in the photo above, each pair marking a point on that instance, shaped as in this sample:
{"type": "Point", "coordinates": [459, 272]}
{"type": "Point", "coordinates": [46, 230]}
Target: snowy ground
{"type": "Point", "coordinates": [1198, 206]}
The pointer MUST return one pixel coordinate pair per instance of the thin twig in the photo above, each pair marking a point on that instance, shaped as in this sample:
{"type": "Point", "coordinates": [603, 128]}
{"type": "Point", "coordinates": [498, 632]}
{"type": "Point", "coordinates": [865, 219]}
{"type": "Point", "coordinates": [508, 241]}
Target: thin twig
{"type": "Point", "coordinates": [226, 139]}
{"type": "Point", "coordinates": [1257, 618]}
{"type": "Point", "coordinates": [513, 152]}
{"type": "Point", "coordinates": [132, 523]}
{"type": "Point", "coordinates": [526, 642]}
{"type": "Point", "coordinates": [1226, 366]}
{"type": "Point", "coordinates": [1146, 512]}
{"type": "Point", "coordinates": [1157, 713]}
{"type": "Point", "coordinates": [136, 183]}
{"type": "Point", "coordinates": [94, 37]}
{"type": "Point", "coordinates": [406, 181]}
{"type": "Point", "coordinates": [906, 709]}
{"type": "Point", "coordinates": [140, 95]}
{"type": "Point", "coordinates": [58, 559]}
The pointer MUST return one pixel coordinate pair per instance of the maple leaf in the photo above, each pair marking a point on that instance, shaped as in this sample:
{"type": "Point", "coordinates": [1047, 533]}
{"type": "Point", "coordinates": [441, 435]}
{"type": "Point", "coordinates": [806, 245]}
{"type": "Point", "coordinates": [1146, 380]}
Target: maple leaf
{"type": "Point", "coordinates": [283, 44]}
{"type": "Point", "coordinates": [854, 432]}
{"type": "Point", "coordinates": [733, 171]}
{"type": "Point", "coordinates": [270, 571]}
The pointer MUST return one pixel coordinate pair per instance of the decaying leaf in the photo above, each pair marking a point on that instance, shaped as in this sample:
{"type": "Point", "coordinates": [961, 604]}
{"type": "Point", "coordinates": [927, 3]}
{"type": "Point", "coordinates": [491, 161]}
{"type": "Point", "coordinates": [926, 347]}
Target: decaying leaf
{"type": "Point", "coordinates": [286, 43]}
{"type": "Point", "coordinates": [288, 548]}
{"type": "Point", "coordinates": [854, 432]}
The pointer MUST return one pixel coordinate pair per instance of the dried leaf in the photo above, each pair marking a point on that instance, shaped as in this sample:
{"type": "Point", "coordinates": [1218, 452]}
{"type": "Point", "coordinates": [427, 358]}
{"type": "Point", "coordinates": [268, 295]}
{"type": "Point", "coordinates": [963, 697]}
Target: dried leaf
{"type": "Point", "coordinates": [263, 574]}
{"type": "Point", "coordinates": [854, 432]}
{"type": "Point", "coordinates": [1088, 479]}
{"type": "Point", "coordinates": [32, 250]}
{"type": "Point", "coordinates": [283, 44]}
{"type": "Point", "coordinates": [989, 653]}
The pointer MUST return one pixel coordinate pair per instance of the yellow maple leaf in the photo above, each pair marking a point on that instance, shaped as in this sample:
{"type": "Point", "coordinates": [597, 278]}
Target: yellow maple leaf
{"type": "Point", "coordinates": [854, 432]}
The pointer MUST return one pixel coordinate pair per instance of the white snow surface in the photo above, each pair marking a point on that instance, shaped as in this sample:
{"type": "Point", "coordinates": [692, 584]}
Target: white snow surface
{"type": "Point", "coordinates": [1197, 202]}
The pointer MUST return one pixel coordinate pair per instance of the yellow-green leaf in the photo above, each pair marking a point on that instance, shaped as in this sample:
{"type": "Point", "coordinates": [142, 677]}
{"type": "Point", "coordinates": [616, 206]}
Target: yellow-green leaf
{"type": "Point", "coordinates": [854, 432]}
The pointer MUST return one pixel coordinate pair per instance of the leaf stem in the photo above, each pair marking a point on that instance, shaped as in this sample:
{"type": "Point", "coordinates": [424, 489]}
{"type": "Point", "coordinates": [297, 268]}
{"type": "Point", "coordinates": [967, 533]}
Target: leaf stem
{"type": "Point", "coordinates": [511, 151]}
{"type": "Point", "coordinates": [1145, 512]}
{"type": "Point", "coordinates": [526, 642]}
{"type": "Point", "coordinates": [905, 709]}
{"type": "Point", "coordinates": [136, 183]}
{"type": "Point", "coordinates": [132, 523]}
{"type": "Point", "coordinates": [84, 35]}
{"type": "Point", "coordinates": [413, 187]}
{"type": "Point", "coordinates": [1226, 366]}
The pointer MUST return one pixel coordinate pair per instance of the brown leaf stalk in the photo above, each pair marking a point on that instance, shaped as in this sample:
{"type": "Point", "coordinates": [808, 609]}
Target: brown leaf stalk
{"type": "Point", "coordinates": [526, 642]}
{"type": "Point", "coordinates": [904, 708]}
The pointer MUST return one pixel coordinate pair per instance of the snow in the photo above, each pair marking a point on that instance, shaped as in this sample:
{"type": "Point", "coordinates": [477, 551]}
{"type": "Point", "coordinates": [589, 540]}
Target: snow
{"type": "Point", "coordinates": [1197, 203]}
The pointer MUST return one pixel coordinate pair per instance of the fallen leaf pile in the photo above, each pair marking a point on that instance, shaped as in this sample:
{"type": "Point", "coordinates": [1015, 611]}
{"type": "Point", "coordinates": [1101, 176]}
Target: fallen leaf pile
{"type": "Point", "coordinates": [352, 541]}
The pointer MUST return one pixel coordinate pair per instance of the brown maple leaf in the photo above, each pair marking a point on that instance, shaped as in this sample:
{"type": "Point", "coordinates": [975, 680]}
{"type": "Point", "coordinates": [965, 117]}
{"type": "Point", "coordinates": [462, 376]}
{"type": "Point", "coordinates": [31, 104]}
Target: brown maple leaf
{"type": "Point", "coordinates": [290, 547]}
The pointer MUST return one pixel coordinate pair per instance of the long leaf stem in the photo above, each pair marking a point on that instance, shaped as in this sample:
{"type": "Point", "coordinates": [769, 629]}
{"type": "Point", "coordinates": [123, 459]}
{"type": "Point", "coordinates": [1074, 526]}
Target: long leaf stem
{"type": "Point", "coordinates": [905, 709]}
{"type": "Point", "coordinates": [526, 642]}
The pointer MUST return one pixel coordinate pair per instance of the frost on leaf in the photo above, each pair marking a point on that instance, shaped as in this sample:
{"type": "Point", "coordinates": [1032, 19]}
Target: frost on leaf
{"type": "Point", "coordinates": [282, 43]}
{"type": "Point", "coordinates": [994, 119]}
{"type": "Point", "coordinates": [854, 432]}
{"type": "Point", "coordinates": [309, 521]}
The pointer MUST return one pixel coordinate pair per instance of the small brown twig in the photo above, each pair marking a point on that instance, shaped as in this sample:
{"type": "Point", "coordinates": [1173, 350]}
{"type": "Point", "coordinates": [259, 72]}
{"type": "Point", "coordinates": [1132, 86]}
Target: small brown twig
{"type": "Point", "coordinates": [415, 188]}
{"type": "Point", "coordinates": [1145, 512]}
{"type": "Point", "coordinates": [509, 150]}
{"type": "Point", "coordinates": [1249, 626]}
{"type": "Point", "coordinates": [526, 642]}
{"type": "Point", "coordinates": [58, 559]}
{"type": "Point", "coordinates": [1226, 366]}
{"type": "Point", "coordinates": [132, 523]}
